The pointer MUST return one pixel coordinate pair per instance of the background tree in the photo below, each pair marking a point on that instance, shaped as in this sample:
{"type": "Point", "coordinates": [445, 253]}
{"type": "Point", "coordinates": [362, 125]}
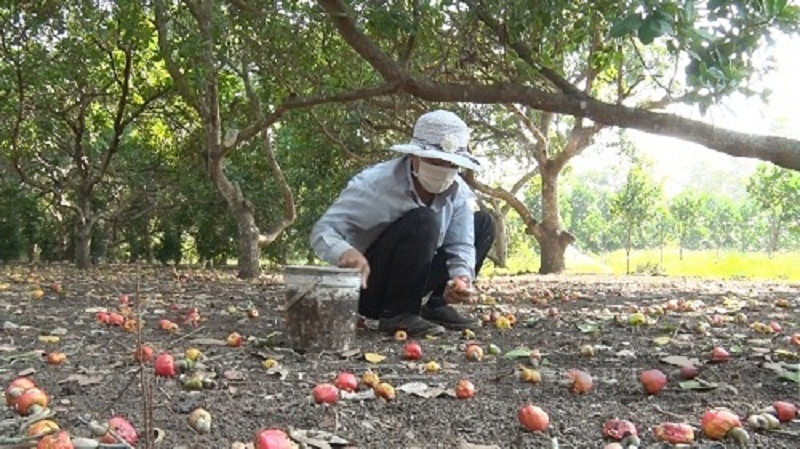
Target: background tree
{"type": "Point", "coordinates": [634, 205]}
{"type": "Point", "coordinates": [777, 192]}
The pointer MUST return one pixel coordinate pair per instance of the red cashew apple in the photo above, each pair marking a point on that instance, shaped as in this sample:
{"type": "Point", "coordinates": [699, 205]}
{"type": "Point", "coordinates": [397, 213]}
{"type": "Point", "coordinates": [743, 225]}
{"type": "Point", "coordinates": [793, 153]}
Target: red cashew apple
{"type": "Point", "coordinates": [465, 389]}
{"type": "Point", "coordinates": [689, 372]}
{"type": "Point", "coordinates": [115, 319]}
{"type": "Point", "coordinates": [102, 317]}
{"type": "Point", "coordinates": [32, 401]}
{"type": "Point", "coordinates": [165, 365]}
{"type": "Point", "coordinates": [272, 439]}
{"type": "Point", "coordinates": [412, 351]}
{"type": "Point", "coordinates": [326, 394]}
{"type": "Point", "coordinates": [15, 389]}
{"type": "Point", "coordinates": [795, 340]}
{"type": "Point", "coordinates": [143, 354]}
{"type": "Point", "coordinates": [123, 428]}
{"type": "Point", "coordinates": [533, 418]}
{"type": "Point", "coordinates": [581, 381]}
{"type": "Point", "coordinates": [717, 422]}
{"type": "Point", "coordinates": [617, 429]}
{"type": "Point", "coordinates": [675, 433]}
{"type": "Point", "coordinates": [785, 411]}
{"type": "Point", "coordinates": [653, 380]}
{"type": "Point", "coordinates": [720, 354]}
{"type": "Point", "coordinates": [58, 440]}
{"type": "Point", "coordinates": [347, 381]}
{"type": "Point", "coordinates": [474, 353]}
{"type": "Point", "coordinates": [235, 339]}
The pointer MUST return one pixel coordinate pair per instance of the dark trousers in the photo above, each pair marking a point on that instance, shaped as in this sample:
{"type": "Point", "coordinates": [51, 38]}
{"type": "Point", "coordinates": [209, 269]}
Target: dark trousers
{"type": "Point", "coordinates": [405, 264]}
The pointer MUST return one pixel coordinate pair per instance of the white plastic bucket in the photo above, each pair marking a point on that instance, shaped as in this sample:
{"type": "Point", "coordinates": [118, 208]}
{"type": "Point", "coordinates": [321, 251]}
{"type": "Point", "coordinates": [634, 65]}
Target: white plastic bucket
{"type": "Point", "coordinates": [321, 307]}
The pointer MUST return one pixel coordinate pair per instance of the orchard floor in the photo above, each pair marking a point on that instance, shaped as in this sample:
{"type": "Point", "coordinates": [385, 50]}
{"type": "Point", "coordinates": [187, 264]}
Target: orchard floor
{"type": "Point", "coordinates": [100, 377]}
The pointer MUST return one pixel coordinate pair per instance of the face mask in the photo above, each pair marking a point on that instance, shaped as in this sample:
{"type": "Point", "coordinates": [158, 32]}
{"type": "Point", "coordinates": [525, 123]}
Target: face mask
{"type": "Point", "coordinates": [435, 179]}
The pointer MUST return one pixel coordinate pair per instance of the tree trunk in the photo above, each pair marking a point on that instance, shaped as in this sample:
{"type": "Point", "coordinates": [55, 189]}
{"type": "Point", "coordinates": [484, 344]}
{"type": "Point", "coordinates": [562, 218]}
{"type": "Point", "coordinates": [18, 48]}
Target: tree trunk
{"type": "Point", "coordinates": [249, 263]}
{"type": "Point", "coordinates": [83, 244]}
{"type": "Point", "coordinates": [628, 251]}
{"type": "Point", "coordinates": [83, 233]}
{"type": "Point", "coordinates": [499, 251]}
{"type": "Point", "coordinates": [554, 240]}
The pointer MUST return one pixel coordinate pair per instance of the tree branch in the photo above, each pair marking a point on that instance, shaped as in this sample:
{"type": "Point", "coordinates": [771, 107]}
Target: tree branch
{"type": "Point", "coordinates": [532, 225]}
{"type": "Point", "coordinates": [166, 53]}
{"type": "Point", "coordinates": [781, 151]}
{"type": "Point", "coordinates": [523, 52]}
{"type": "Point", "coordinates": [336, 140]}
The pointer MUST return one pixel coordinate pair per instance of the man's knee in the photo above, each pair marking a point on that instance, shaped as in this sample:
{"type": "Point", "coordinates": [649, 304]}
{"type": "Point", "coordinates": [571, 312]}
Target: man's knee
{"type": "Point", "coordinates": [422, 223]}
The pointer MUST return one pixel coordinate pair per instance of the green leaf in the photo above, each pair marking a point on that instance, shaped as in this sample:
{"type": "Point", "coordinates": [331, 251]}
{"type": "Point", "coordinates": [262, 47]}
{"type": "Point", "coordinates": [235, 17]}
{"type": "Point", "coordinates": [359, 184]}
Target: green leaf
{"type": "Point", "coordinates": [589, 327]}
{"type": "Point", "coordinates": [794, 376]}
{"type": "Point", "coordinates": [654, 26]}
{"type": "Point", "coordinates": [627, 25]}
{"type": "Point", "coordinates": [698, 385]}
{"type": "Point", "coordinates": [518, 353]}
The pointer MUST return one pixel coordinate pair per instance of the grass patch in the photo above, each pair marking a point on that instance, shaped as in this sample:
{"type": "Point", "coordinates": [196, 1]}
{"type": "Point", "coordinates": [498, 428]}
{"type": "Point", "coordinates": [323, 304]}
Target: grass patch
{"type": "Point", "coordinates": [703, 264]}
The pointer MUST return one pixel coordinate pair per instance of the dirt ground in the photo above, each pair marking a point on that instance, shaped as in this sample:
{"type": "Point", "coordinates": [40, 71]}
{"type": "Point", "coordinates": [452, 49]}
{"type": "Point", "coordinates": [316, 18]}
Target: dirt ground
{"type": "Point", "coordinates": [556, 315]}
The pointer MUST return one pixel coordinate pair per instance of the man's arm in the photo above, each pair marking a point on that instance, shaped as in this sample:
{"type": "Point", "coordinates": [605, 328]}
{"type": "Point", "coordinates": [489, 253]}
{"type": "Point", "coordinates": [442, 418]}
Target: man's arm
{"type": "Point", "coordinates": [459, 241]}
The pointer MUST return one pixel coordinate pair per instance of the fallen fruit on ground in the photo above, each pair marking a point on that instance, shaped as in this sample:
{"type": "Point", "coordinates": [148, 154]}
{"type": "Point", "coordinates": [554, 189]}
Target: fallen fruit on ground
{"type": "Point", "coordinates": [192, 354]}
{"type": "Point", "coordinates": [412, 351]}
{"type": "Point", "coordinates": [432, 367]}
{"type": "Point", "coordinates": [474, 353]}
{"type": "Point", "coordinates": [533, 418]}
{"type": "Point", "coordinates": [502, 323]}
{"type": "Point", "coordinates": [32, 401]}
{"type": "Point", "coordinates": [165, 365]}
{"type": "Point", "coordinates": [795, 340]}
{"type": "Point", "coordinates": [58, 440]}
{"type": "Point", "coordinates": [347, 381]}
{"type": "Point", "coordinates": [587, 350]}
{"type": "Point", "coordinates": [468, 334]}
{"type": "Point", "coordinates": [529, 375]}
{"type": "Point", "coordinates": [689, 372]}
{"type": "Point", "coordinates": [494, 349]}
{"type": "Point", "coordinates": [720, 354]}
{"type": "Point", "coordinates": [143, 354]}
{"type": "Point", "coordinates": [326, 394]}
{"type": "Point", "coordinates": [370, 379]}
{"type": "Point", "coordinates": [717, 422]}
{"type": "Point", "coordinates": [200, 420]}
{"type": "Point", "coordinates": [272, 439]}
{"type": "Point", "coordinates": [56, 358]}
{"type": "Point", "coordinates": [617, 429]}
{"type": "Point", "coordinates": [167, 325]}
{"type": "Point", "coordinates": [385, 390]}
{"type": "Point", "coordinates": [15, 389]}
{"type": "Point", "coordinates": [270, 363]}
{"type": "Point", "coordinates": [653, 381]}
{"type": "Point", "coordinates": [400, 335]}
{"type": "Point", "coordinates": [234, 339]}
{"type": "Point", "coordinates": [465, 389]}
{"type": "Point", "coordinates": [675, 433]}
{"type": "Point", "coordinates": [581, 381]}
{"type": "Point", "coordinates": [785, 411]}
{"type": "Point", "coordinates": [763, 421]}
{"type": "Point", "coordinates": [123, 428]}
{"type": "Point", "coordinates": [44, 426]}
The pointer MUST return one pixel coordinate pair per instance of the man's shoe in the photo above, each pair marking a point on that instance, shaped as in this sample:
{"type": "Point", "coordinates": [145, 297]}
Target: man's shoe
{"type": "Point", "coordinates": [447, 317]}
{"type": "Point", "coordinates": [412, 324]}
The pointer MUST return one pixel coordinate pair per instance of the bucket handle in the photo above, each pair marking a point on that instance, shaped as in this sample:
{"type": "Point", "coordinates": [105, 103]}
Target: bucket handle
{"type": "Point", "coordinates": [299, 295]}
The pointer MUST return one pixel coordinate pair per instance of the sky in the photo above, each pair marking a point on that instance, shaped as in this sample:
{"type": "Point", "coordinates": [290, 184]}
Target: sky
{"type": "Point", "coordinates": [680, 164]}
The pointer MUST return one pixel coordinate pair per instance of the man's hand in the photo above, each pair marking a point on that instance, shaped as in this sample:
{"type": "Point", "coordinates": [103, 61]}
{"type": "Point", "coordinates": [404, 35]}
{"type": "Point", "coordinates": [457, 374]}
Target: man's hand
{"type": "Point", "coordinates": [352, 258]}
{"type": "Point", "coordinates": [459, 289]}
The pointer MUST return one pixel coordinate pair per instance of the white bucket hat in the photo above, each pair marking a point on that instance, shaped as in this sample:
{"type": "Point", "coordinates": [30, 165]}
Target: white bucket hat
{"type": "Point", "coordinates": [441, 135]}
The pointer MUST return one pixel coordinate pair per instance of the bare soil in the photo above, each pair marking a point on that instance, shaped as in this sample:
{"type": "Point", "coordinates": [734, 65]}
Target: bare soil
{"type": "Point", "coordinates": [101, 379]}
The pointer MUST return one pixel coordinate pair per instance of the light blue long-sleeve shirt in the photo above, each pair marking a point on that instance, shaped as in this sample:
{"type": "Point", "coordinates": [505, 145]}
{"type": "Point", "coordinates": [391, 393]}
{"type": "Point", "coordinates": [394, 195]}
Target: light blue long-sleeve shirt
{"type": "Point", "coordinates": [381, 194]}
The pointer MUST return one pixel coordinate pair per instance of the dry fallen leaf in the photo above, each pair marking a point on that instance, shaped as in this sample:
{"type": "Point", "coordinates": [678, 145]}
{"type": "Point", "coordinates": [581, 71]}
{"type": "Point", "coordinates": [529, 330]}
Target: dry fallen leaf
{"type": "Point", "coordinates": [679, 360]}
{"type": "Point", "coordinates": [662, 341]}
{"type": "Point", "coordinates": [49, 338]}
{"type": "Point", "coordinates": [373, 357]}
